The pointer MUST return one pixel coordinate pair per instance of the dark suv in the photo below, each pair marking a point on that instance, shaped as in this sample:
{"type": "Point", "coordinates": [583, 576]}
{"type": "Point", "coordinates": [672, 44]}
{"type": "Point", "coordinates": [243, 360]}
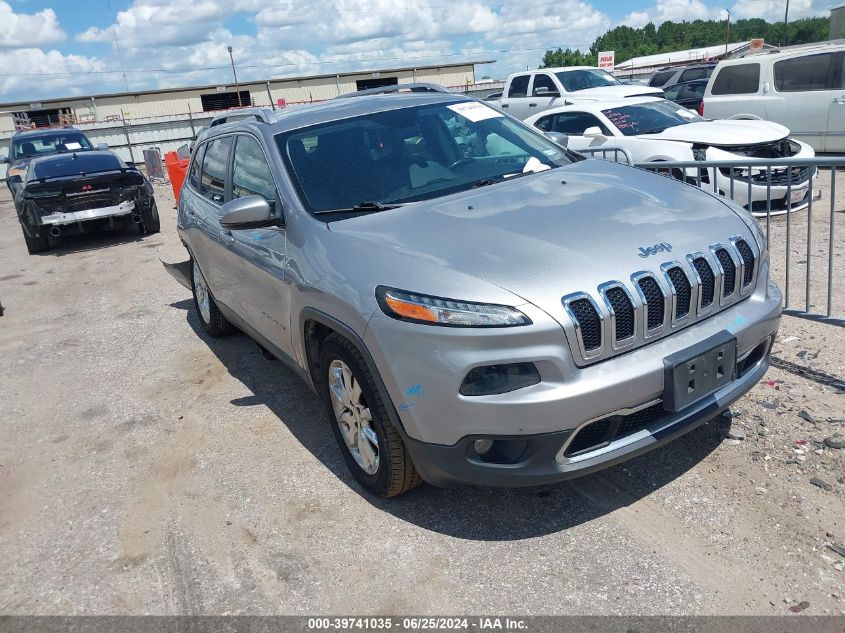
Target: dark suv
{"type": "Point", "coordinates": [680, 74]}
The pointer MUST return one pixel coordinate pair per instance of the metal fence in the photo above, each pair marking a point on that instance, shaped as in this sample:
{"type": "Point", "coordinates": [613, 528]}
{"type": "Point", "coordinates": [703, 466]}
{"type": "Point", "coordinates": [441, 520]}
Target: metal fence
{"type": "Point", "coordinates": [766, 187]}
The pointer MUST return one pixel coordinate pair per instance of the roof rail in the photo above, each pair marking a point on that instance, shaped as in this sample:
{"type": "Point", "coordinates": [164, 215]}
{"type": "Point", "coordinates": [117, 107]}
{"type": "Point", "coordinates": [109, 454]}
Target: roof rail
{"type": "Point", "coordinates": [261, 115]}
{"type": "Point", "coordinates": [401, 88]}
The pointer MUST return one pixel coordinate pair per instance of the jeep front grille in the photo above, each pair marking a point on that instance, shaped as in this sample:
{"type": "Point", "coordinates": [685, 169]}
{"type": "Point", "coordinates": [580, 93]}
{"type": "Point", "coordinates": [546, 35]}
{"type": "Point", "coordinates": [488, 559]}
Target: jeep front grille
{"type": "Point", "coordinates": [623, 315]}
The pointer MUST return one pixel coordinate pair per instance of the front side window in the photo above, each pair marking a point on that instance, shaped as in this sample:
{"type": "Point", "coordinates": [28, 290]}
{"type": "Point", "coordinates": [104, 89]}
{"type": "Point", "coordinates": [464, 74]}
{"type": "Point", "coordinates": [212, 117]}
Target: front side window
{"type": "Point", "coordinates": [802, 74]}
{"type": "Point", "coordinates": [409, 154]}
{"type": "Point", "coordinates": [574, 80]}
{"type": "Point", "coordinates": [576, 123]}
{"type": "Point", "coordinates": [250, 172]}
{"type": "Point", "coordinates": [196, 167]}
{"type": "Point", "coordinates": [649, 118]}
{"type": "Point", "coordinates": [741, 79]}
{"type": "Point", "coordinates": [33, 146]}
{"type": "Point", "coordinates": [214, 164]}
{"type": "Point", "coordinates": [672, 92]}
{"type": "Point", "coordinates": [544, 81]}
{"type": "Point", "coordinates": [519, 86]}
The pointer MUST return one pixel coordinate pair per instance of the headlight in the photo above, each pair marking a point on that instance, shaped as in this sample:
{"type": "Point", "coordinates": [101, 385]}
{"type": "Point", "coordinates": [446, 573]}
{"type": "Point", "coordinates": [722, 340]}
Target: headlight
{"type": "Point", "coordinates": [16, 171]}
{"type": "Point", "coordinates": [416, 308]}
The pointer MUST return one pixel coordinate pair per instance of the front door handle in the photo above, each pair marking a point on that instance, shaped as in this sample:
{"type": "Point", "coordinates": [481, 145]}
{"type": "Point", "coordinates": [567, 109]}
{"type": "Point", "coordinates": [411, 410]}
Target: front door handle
{"type": "Point", "coordinates": [503, 105]}
{"type": "Point", "coordinates": [532, 105]}
{"type": "Point", "coordinates": [228, 238]}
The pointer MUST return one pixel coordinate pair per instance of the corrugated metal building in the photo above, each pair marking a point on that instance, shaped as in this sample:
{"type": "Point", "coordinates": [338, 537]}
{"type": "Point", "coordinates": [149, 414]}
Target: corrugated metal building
{"type": "Point", "coordinates": [199, 99]}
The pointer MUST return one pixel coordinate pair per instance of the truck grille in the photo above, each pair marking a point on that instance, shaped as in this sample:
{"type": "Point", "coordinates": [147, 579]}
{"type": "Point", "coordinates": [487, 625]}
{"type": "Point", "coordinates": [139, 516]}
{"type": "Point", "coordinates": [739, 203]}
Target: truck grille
{"type": "Point", "coordinates": [683, 293]}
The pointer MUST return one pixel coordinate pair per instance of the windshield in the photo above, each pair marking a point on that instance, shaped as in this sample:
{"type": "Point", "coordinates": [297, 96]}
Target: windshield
{"type": "Point", "coordinates": [649, 118]}
{"type": "Point", "coordinates": [575, 80]}
{"type": "Point", "coordinates": [410, 154]}
{"type": "Point", "coordinates": [50, 144]}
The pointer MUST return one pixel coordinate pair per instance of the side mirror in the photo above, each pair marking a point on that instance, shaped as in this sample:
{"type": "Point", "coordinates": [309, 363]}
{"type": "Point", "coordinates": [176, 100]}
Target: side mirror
{"type": "Point", "coordinates": [249, 212]}
{"type": "Point", "coordinates": [544, 91]}
{"type": "Point", "coordinates": [559, 138]}
{"type": "Point", "coordinates": [4, 159]}
{"type": "Point", "coordinates": [593, 132]}
{"type": "Point", "coordinates": [102, 146]}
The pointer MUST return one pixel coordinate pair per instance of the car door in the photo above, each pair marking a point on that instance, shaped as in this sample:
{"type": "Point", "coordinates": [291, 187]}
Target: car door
{"type": "Point", "coordinates": [515, 102]}
{"type": "Point", "coordinates": [803, 96]}
{"type": "Point", "coordinates": [835, 137]}
{"type": "Point", "coordinates": [257, 256]}
{"type": "Point", "coordinates": [210, 249]}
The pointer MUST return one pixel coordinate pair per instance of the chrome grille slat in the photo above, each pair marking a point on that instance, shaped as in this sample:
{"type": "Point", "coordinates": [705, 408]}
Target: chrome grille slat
{"type": "Point", "coordinates": [625, 315]}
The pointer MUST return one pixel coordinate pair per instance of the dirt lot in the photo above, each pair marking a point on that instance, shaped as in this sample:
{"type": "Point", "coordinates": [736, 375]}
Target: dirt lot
{"type": "Point", "coordinates": [145, 468]}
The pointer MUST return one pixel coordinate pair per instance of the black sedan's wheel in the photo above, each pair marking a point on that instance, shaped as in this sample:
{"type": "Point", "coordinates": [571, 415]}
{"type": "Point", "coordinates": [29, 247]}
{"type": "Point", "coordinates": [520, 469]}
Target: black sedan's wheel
{"type": "Point", "coordinates": [150, 222]}
{"type": "Point", "coordinates": [213, 321]}
{"type": "Point", "coordinates": [371, 445]}
{"type": "Point", "coordinates": [35, 244]}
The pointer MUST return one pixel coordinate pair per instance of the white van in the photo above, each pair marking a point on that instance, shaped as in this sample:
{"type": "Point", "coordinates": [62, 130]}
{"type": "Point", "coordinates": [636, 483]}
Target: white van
{"type": "Point", "coordinates": [802, 90]}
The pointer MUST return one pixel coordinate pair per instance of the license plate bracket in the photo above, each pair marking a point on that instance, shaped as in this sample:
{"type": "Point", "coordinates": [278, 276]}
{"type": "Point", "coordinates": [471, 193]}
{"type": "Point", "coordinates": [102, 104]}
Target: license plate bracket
{"type": "Point", "coordinates": [696, 372]}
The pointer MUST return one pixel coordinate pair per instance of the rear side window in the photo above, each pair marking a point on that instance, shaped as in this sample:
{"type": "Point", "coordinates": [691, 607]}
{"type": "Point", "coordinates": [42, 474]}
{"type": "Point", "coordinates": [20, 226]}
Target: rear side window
{"type": "Point", "coordinates": [742, 79]}
{"type": "Point", "coordinates": [801, 74]}
{"type": "Point", "coordinates": [544, 123]}
{"type": "Point", "coordinates": [214, 163]}
{"type": "Point", "coordinates": [660, 79]}
{"type": "Point", "coordinates": [672, 92]}
{"type": "Point", "coordinates": [196, 165]}
{"type": "Point", "coordinates": [519, 86]}
{"type": "Point", "coordinates": [693, 91]}
{"type": "Point", "coordinates": [250, 171]}
{"type": "Point", "coordinates": [695, 73]}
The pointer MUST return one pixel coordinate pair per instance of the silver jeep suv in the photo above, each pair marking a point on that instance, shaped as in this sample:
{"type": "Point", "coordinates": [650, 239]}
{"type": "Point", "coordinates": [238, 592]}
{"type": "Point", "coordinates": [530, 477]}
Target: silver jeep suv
{"type": "Point", "coordinates": [473, 302]}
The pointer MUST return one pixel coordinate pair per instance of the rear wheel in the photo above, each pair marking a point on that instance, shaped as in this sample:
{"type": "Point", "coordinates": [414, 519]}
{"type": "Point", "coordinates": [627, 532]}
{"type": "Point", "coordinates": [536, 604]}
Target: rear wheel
{"type": "Point", "coordinates": [371, 445]}
{"type": "Point", "coordinates": [35, 244]}
{"type": "Point", "coordinates": [213, 321]}
{"type": "Point", "coordinates": [150, 222]}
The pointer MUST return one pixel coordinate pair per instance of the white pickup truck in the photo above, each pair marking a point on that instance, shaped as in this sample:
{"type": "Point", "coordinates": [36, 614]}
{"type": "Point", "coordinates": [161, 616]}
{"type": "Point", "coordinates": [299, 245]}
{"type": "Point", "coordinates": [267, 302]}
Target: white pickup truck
{"type": "Point", "coordinates": [530, 92]}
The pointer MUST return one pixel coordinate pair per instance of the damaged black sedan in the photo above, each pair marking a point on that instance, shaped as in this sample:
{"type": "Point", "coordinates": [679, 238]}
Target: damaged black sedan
{"type": "Point", "coordinates": [74, 193]}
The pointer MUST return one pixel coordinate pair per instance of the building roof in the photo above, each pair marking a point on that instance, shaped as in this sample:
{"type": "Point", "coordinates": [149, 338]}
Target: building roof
{"type": "Point", "coordinates": [243, 84]}
{"type": "Point", "coordinates": [678, 57]}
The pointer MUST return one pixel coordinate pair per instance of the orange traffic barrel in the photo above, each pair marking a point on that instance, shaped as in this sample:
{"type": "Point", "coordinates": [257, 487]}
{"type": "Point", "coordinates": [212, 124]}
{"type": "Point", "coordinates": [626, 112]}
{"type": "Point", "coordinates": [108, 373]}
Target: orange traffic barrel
{"type": "Point", "coordinates": [176, 170]}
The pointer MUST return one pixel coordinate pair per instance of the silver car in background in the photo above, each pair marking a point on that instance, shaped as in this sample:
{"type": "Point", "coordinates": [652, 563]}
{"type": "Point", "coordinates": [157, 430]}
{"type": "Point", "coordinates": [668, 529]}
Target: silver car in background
{"type": "Point", "coordinates": [474, 303]}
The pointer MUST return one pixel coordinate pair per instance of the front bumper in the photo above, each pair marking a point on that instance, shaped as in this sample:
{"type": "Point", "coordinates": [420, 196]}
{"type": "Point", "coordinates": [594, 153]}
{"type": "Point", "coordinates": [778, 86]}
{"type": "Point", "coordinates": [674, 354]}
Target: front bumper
{"type": "Point", "coordinates": [542, 461]}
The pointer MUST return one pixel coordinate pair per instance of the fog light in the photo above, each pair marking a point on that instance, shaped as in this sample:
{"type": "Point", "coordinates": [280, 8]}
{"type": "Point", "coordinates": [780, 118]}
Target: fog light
{"type": "Point", "coordinates": [494, 379]}
{"type": "Point", "coordinates": [482, 446]}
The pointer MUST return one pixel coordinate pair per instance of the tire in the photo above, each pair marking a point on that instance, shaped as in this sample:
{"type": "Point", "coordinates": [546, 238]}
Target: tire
{"type": "Point", "coordinates": [213, 321]}
{"type": "Point", "coordinates": [36, 244]}
{"type": "Point", "coordinates": [150, 222]}
{"type": "Point", "coordinates": [394, 471]}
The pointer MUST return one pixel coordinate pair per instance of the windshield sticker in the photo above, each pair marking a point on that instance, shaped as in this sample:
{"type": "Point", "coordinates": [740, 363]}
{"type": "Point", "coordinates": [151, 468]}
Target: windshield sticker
{"type": "Point", "coordinates": [685, 113]}
{"type": "Point", "coordinates": [73, 146]}
{"type": "Point", "coordinates": [533, 165]}
{"type": "Point", "coordinates": [475, 112]}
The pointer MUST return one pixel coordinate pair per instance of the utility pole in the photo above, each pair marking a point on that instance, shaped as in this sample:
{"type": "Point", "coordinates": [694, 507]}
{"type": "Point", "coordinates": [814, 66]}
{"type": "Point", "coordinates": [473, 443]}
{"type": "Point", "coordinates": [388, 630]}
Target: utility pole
{"type": "Point", "coordinates": [727, 32]}
{"type": "Point", "coordinates": [786, 25]}
{"type": "Point", "coordinates": [237, 86]}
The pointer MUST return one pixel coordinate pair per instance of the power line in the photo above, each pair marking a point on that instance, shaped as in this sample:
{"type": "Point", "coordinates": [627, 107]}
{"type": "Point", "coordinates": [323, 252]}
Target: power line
{"type": "Point", "coordinates": [319, 63]}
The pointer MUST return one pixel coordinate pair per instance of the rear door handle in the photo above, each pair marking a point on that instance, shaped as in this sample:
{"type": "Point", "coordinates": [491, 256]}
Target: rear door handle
{"type": "Point", "coordinates": [839, 100]}
{"type": "Point", "coordinates": [532, 105]}
{"type": "Point", "coordinates": [228, 238]}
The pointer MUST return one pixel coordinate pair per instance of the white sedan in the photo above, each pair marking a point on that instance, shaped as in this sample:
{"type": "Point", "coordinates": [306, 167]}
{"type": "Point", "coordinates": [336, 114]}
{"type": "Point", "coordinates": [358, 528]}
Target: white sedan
{"type": "Point", "coordinates": [655, 130]}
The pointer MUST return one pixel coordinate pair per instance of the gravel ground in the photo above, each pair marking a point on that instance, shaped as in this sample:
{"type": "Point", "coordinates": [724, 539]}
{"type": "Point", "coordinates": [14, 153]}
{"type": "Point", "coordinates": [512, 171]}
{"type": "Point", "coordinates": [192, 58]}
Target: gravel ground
{"type": "Point", "coordinates": [147, 469]}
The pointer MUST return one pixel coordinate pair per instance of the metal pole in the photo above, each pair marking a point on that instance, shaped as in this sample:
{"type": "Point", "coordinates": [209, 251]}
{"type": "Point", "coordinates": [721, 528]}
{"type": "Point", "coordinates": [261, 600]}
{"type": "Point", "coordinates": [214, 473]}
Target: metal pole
{"type": "Point", "coordinates": [191, 122]}
{"type": "Point", "coordinates": [126, 132]}
{"type": "Point", "coordinates": [237, 86]}
{"type": "Point", "coordinates": [270, 95]}
{"type": "Point", "coordinates": [830, 240]}
{"type": "Point", "coordinates": [727, 32]}
{"type": "Point", "coordinates": [786, 25]}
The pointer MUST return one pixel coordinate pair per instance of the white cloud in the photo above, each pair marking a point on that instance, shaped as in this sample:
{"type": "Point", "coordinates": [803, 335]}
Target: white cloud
{"type": "Point", "coordinates": [76, 78]}
{"type": "Point", "coordinates": [675, 11]}
{"type": "Point", "coordinates": [30, 31]}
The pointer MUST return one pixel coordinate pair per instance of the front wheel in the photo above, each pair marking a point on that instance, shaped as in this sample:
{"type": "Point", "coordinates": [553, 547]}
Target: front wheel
{"type": "Point", "coordinates": [371, 445]}
{"type": "Point", "coordinates": [213, 321]}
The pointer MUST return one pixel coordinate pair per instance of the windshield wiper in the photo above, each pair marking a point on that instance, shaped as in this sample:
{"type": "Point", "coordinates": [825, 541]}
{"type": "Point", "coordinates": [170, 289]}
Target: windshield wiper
{"type": "Point", "coordinates": [367, 206]}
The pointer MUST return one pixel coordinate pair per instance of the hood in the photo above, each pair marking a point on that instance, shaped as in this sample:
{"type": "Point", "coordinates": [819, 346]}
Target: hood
{"type": "Point", "coordinates": [545, 235]}
{"type": "Point", "coordinates": [724, 133]}
{"type": "Point", "coordinates": [615, 92]}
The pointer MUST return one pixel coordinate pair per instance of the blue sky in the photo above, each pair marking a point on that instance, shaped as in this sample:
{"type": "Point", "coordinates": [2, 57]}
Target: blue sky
{"type": "Point", "coordinates": [78, 47]}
